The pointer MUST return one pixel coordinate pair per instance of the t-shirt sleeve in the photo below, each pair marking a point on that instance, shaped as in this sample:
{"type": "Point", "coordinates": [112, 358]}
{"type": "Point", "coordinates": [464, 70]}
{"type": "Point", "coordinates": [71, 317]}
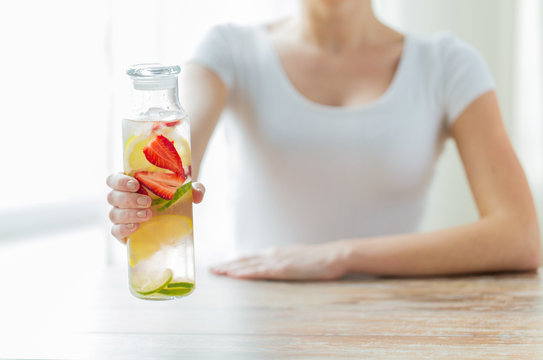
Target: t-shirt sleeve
{"type": "Point", "coordinates": [465, 76]}
{"type": "Point", "coordinates": [215, 53]}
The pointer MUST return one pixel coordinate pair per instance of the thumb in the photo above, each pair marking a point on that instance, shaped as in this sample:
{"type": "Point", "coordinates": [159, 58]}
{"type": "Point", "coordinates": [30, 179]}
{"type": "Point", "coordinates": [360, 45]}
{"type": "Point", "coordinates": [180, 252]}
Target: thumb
{"type": "Point", "coordinates": [198, 191]}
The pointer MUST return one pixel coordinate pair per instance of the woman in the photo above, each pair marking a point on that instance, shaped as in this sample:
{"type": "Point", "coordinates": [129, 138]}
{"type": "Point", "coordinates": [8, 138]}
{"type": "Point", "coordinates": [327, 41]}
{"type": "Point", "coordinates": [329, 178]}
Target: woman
{"type": "Point", "coordinates": [335, 123]}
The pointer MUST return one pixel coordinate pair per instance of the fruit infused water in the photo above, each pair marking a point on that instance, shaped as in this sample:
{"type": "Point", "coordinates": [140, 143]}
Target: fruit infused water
{"type": "Point", "coordinates": [156, 141]}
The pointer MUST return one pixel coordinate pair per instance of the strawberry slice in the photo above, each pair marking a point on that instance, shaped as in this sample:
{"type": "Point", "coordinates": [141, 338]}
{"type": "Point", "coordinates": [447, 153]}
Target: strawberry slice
{"type": "Point", "coordinates": [142, 190]}
{"type": "Point", "coordinates": [161, 152]}
{"type": "Point", "coordinates": [158, 125]}
{"type": "Point", "coordinates": [160, 184]}
{"type": "Point", "coordinates": [172, 123]}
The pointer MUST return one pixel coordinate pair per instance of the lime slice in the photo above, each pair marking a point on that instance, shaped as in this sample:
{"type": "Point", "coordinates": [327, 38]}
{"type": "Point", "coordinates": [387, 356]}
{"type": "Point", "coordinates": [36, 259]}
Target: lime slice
{"type": "Point", "coordinates": [178, 194]}
{"type": "Point", "coordinates": [146, 281]}
{"type": "Point", "coordinates": [177, 288]}
{"type": "Point", "coordinates": [175, 292]}
{"type": "Point", "coordinates": [160, 230]}
{"type": "Point", "coordinates": [180, 285]}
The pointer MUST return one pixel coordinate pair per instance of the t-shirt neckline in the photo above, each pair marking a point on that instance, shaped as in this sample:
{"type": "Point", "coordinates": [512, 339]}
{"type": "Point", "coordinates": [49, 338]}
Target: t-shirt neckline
{"type": "Point", "coordinates": [399, 73]}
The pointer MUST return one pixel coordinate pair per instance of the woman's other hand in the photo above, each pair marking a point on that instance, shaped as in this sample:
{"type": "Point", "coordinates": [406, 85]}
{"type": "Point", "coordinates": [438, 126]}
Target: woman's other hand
{"type": "Point", "coordinates": [131, 208]}
{"type": "Point", "coordinates": [293, 262]}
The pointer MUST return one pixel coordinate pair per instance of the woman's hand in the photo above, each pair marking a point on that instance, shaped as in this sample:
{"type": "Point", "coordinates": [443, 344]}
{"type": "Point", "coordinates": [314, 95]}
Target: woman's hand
{"type": "Point", "coordinates": [131, 208]}
{"type": "Point", "coordinates": [293, 262]}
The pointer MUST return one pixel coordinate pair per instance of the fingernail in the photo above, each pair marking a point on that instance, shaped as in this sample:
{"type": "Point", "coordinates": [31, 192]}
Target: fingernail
{"type": "Point", "coordinates": [200, 187]}
{"type": "Point", "coordinates": [132, 184]}
{"type": "Point", "coordinates": [130, 226]}
{"type": "Point", "coordinates": [142, 213]}
{"type": "Point", "coordinates": [143, 200]}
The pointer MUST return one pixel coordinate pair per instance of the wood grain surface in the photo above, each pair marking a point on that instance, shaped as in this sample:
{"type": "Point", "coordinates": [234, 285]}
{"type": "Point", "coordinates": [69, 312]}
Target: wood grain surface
{"type": "Point", "coordinates": [95, 317]}
{"type": "Point", "coordinates": [479, 317]}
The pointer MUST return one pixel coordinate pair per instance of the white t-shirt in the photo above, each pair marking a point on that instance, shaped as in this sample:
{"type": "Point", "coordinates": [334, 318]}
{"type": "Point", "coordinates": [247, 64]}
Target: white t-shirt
{"type": "Point", "coordinates": [303, 172]}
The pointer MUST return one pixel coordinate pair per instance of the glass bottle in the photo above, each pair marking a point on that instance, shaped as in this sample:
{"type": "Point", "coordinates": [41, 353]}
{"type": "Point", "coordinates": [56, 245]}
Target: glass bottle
{"type": "Point", "coordinates": [156, 138]}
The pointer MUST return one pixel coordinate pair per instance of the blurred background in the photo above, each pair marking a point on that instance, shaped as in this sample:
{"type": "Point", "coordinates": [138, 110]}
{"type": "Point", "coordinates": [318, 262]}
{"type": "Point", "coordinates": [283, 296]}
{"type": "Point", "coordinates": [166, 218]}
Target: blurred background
{"type": "Point", "coordinates": [64, 92]}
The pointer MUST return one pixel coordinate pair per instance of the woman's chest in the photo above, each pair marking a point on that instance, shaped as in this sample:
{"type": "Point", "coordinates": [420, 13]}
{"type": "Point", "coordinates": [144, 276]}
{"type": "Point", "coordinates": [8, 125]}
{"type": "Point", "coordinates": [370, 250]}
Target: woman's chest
{"type": "Point", "coordinates": [351, 79]}
{"type": "Point", "coordinates": [396, 135]}
{"type": "Point", "coordinates": [392, 145]}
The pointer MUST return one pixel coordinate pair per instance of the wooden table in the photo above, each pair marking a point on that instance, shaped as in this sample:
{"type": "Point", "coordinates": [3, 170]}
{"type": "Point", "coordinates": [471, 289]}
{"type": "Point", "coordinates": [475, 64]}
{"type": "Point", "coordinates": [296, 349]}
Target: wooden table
{"type": "Point", "coordinates": [479, 317]}
{"type": "Point", "coordinates": [490, 317]}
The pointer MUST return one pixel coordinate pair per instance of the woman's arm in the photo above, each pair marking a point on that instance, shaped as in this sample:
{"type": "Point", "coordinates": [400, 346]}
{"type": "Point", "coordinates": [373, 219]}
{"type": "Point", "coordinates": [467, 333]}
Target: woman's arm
{"type": "Point", "coordinates": [506, 237]}
{"type": "Point", "coordinates": [202, 94]}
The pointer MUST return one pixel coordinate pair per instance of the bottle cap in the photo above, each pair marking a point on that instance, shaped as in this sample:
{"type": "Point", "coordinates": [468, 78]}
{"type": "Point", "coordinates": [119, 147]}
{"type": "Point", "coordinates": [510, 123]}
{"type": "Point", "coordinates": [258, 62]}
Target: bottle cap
{"type": "Point", "coordinates": [153, 76]}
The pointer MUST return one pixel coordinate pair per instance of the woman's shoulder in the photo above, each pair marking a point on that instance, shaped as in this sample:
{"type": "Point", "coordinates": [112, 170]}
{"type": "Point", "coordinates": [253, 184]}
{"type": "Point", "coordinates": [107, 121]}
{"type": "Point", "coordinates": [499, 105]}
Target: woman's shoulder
{"type": "Point", "coordinates": [243, 33]}
{"type": "Point", "coordinates": [443, 55]}
{"type": "Point", "coordinates": [456, 68]}
{"type": "Point", "coordinates": [228, 50]}
{"type": "Point", "coordinates": [234, 32]}
{"type": "Point", "coordinates": [442, 45]}
{"type": "Point", "coordinates": [440, 38]}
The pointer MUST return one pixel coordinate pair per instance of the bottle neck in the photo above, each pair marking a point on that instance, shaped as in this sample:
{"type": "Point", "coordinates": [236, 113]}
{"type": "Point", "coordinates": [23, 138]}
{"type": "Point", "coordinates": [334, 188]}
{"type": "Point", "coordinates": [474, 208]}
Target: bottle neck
{"type": "Point", "coordinates": [163, 99]}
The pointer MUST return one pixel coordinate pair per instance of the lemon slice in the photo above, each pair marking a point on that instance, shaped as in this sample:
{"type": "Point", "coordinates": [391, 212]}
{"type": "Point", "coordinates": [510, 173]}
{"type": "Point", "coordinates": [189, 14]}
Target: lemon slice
{"type": "Point", "coordinates": [146, 281]}
{"type": "Point", "coordinates": [134, 158]}
{"type": "Point", "coordinates": [159, 231]}
{"type": "Point", "coordinates": [183, 149]}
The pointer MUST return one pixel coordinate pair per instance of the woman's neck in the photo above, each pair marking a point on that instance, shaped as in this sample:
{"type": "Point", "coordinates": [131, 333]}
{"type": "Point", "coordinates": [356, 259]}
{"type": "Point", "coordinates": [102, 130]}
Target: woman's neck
{"type": "Point", "coordinates": [340, 25]}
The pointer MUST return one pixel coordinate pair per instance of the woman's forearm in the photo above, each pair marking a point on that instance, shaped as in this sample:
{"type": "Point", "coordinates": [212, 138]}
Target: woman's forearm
{"type": "Point", "coordinates": [203, 95]}
{"type": "Point", "coordinates": [490, 244]}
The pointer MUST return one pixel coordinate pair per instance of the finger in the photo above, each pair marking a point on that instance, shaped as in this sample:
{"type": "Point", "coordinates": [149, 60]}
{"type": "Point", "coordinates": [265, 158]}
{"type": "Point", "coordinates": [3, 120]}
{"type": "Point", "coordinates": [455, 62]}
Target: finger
{"type": "Point", "coordinates": [120, 232]}
{"type": "Point", "coordinates": [222, 269]}
{"type": "Point", "coordinates": [216, 271]}
{"type": "Point", "coordinates": [236, 265]}
{"type": "Point", "coordinates": [129, 216]}
{"type": "Point", "coordinates": [259, 267]}
{"type": "Point", "coordinates": [240, 260]}
{"type": "Point", "coordinates": [252, 272]}
{"type": "Point", "coordinates": [124, 200]}
{"type": "Point", "coordinates": [198, 192]}
{"type": "Point", "coordinates": [122, 182]}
